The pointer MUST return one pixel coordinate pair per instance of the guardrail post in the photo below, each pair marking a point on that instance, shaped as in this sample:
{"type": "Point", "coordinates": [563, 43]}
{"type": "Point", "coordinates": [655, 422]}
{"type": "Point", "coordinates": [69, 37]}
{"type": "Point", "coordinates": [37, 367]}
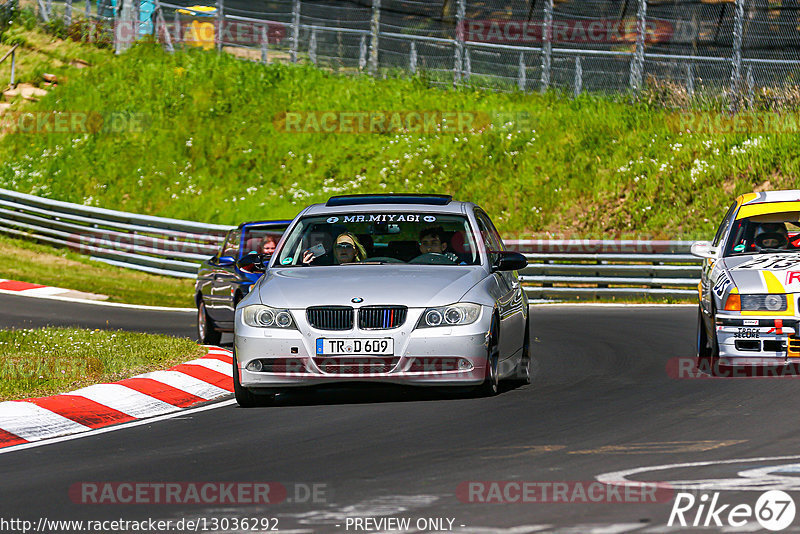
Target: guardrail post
{"type": "Point", "coordinates": [220, 23]}
{"type": "Point", "coordinates": [690, 79]}
{"type": "Point", "coordinates": [362, 52]}
{"type": "Point", "coordinates": [736, 60]}
{"type": "Point", "coordinates": [637, 62]}
{"type": "Point", "coordinates": [578, 76]}
{"type": "Point", "coordinates": [68, 13]}
{"type": "Point", "coordinates": [264, 45]}
{"type": "Point", "coordinates": [458, 42]}
{"type": "Point", "coordinates": [521, 79]}
{"type": "Point", "coordinates": [547, 44]}
{"type": "Point", "coordinates": [375, 29]}
{"type": "Point", "coordinates": [312, 47]}
{"type": "Point", "coordinates": [412, 58]}
{"type": "Point", "coordinates": [295, 30]}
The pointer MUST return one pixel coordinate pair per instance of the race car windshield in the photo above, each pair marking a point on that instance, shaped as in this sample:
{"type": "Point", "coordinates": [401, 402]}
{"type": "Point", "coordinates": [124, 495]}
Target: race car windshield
{"type": "Point", "coordinates": [768, 233]}
{"type": "Point", "coordinates": [380, 238]}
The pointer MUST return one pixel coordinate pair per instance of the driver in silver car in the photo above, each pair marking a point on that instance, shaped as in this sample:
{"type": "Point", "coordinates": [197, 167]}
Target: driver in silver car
{"type": "Point", "coordinates": [432, 241]}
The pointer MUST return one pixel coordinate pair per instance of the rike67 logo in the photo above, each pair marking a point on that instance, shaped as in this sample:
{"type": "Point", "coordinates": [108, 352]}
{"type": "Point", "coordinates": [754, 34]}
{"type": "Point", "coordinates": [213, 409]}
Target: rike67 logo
{"type": "Point", "coordinates": [774, 510]}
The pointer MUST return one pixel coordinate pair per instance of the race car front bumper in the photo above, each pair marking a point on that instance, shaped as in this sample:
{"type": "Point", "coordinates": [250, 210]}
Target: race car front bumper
{"type": "Point", "coordinates": [757, 341]}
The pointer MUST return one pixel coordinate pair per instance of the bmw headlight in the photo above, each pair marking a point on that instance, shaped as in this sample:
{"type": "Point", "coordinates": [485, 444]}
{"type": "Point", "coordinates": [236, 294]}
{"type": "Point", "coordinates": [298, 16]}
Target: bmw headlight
{"type": "Point", "coordinates": [771, 302]}
{"type": "Point", "coordinates": [453, 315]}
{"type": "Point", "coordinates": [265, 317]}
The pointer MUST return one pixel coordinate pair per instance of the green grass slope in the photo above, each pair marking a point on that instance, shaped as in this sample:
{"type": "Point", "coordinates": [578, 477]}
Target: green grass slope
{"type": "Point", "coordinates": [209, 150]}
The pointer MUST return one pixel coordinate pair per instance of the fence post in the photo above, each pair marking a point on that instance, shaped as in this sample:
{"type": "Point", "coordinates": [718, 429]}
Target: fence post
{"type": "Point", "coordinates": [578, 76]}
{"type": "Point", "coordinates": [690, 79]}
{"type": "Point", "coordinates": [135, 19]}
{"type": "Point", "coordinates": [637, 62]}
{"type": "Point", "coordinates": [375, 28]}
{"type": "Point", "coordinates": [736, 60]}
{"type": "Point", "coordinates": [312, 47]}
{"type": "Point", "coordinates": [751, 85]}
{"type": "Point", "coordinates": [68, 13]}
{"type": "Point", "coordinates": [521, 80]}
{"type": "Point", "coordinates": [89, 25]}
{"type": "Point", "coordinates": [295, 30]}
{"type": "Point", "coordinates": [220, 23]}
{"type": "Point", "coordinates": [88, 8]}
{"type": "Point", "coordinates": [177, 22]}
{"type": "Point", "coordinates": [547, 44]}
{"type": "Point", "coordinates": [49, 9]}
{"type": "Point", "coordinates": [467, 64]}
{"type": "Point", "coordinates": [264, 45]}
{"type": "Point", "coordinates": [161, 21]}
{"type": "Point", "coordinates": [458, 48]}
{"type": "Point", "coordinates": [362, 52]}
{"type": "Point", "coordinates": [13, 66]}
{"type": "Point", "coordinates": [412, 58]}
{"type": "Point", "coordinates": [43, 11]}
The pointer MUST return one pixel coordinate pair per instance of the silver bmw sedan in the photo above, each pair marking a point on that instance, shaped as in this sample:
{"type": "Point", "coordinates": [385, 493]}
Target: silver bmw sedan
{"type": "Point", "coordinates": [404, 289]}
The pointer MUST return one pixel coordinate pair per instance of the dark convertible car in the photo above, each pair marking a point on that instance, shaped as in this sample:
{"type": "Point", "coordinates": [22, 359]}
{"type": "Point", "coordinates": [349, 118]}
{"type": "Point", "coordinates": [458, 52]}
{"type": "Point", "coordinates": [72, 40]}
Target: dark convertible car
{"type": "Point", "coordinates": [221, 284]}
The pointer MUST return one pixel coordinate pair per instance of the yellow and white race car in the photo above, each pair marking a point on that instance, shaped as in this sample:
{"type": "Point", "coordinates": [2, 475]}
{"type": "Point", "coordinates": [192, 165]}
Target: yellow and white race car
{"type": "Point", "coordinates": [750, 284]}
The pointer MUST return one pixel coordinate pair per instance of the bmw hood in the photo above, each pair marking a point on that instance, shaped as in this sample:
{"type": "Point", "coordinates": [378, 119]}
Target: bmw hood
{"type": "Point", "coordinates": [765, 273]}
{"type": "Point", "coordinates": [404, 285]}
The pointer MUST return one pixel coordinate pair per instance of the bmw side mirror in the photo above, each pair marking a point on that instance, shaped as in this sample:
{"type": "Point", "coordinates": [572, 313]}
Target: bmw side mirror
{"type": "Point", "coordinates": [704, 249]}
{"type": "Point", "coordinates": [509, 261]}
{"type": "Point", "coordinates": [252, 263]}
{"type": "Point", "coordinates": [226, 261]}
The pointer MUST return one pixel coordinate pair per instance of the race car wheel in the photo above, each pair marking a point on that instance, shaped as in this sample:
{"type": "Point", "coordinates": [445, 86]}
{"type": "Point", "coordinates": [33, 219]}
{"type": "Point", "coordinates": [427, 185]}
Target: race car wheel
{"type": "Point", "coordinates": [491, 383]}
{"type": "Point", "coordinates": [206, 333]}
{"type": "Point", "coordinates": [244, 396]}
{"type": "Point", "coordinates": [523, 372]}
{"type": "Point", "coordinates": [707, 349]}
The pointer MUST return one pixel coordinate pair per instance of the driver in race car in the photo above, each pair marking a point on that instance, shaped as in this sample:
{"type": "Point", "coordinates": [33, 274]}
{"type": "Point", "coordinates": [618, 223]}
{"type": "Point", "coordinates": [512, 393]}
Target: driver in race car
{"type": "Point", "coordinates": [432, 241]}
{"type": "Point", "coordinates": [771, 236]}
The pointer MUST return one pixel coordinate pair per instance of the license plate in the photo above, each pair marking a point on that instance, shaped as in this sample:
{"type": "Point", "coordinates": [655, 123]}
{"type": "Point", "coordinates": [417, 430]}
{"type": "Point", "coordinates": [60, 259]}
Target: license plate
{"type": "Point", "coordinates": [352, 347]}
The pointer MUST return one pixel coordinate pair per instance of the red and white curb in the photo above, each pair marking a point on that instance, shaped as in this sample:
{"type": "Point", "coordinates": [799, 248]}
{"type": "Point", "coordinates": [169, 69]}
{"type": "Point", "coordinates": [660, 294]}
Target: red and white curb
{"type": "Point", "coordinates": [39, 290]}
{"type": "Point", "coordinates": [146, 395]}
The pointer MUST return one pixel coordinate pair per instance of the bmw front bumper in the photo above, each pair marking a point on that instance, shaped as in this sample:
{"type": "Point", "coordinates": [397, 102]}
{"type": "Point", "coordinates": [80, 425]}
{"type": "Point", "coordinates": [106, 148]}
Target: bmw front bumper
{"type": "Point", "coordinates": [440, 356]}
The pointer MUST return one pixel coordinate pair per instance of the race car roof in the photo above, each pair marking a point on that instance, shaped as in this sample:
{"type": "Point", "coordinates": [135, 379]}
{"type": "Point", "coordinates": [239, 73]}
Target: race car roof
{"type": "Point", "coordinates": [752, 204]}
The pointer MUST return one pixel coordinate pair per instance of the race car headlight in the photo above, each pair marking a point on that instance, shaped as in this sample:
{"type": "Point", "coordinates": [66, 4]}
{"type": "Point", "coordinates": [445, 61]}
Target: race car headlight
{"type": "Point", "coordinates": [265, 317]}
{"type": "Point", "coordinates": [453, 315]}
{"type": "Point", "coordinates": [772, 302]}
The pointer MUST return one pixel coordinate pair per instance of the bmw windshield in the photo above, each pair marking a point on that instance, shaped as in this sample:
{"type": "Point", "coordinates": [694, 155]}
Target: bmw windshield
{"type": "Point", "coordinates": [378, 238]}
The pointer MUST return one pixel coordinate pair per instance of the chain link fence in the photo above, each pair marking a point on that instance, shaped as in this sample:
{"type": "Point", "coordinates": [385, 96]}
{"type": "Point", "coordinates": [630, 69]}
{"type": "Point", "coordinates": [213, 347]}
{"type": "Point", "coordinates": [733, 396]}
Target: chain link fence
{"type": "Point", "coordinates": [729, 47]}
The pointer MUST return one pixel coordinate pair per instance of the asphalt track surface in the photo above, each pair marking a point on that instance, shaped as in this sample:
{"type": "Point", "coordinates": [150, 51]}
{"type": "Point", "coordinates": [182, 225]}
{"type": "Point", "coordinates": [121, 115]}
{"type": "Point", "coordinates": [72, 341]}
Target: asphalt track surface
{"type": "Point", "coordinates": [601, 401]}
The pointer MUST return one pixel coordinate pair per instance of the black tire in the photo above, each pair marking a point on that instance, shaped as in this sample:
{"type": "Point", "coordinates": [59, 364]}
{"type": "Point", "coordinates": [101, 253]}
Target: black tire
{"type": "Point", "coordinates": [245, 397]}
{"type": "Point", "coordinates": [207, 333]}
{"type": "Point", "coordinates": [707, 348]}
{"type": "Point", "coordinates": [491, 383]}
{"type": "Point", "coordinates": [522, 375]}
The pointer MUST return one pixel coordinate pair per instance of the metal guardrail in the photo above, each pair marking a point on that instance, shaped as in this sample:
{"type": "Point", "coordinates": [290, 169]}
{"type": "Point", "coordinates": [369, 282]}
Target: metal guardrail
{"type": "Point", "coordinates": [588, 269]}
{"type": "Point", "coordinates": [158, 245]}
{"type": "Point", "coordinates": [582, 269]}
